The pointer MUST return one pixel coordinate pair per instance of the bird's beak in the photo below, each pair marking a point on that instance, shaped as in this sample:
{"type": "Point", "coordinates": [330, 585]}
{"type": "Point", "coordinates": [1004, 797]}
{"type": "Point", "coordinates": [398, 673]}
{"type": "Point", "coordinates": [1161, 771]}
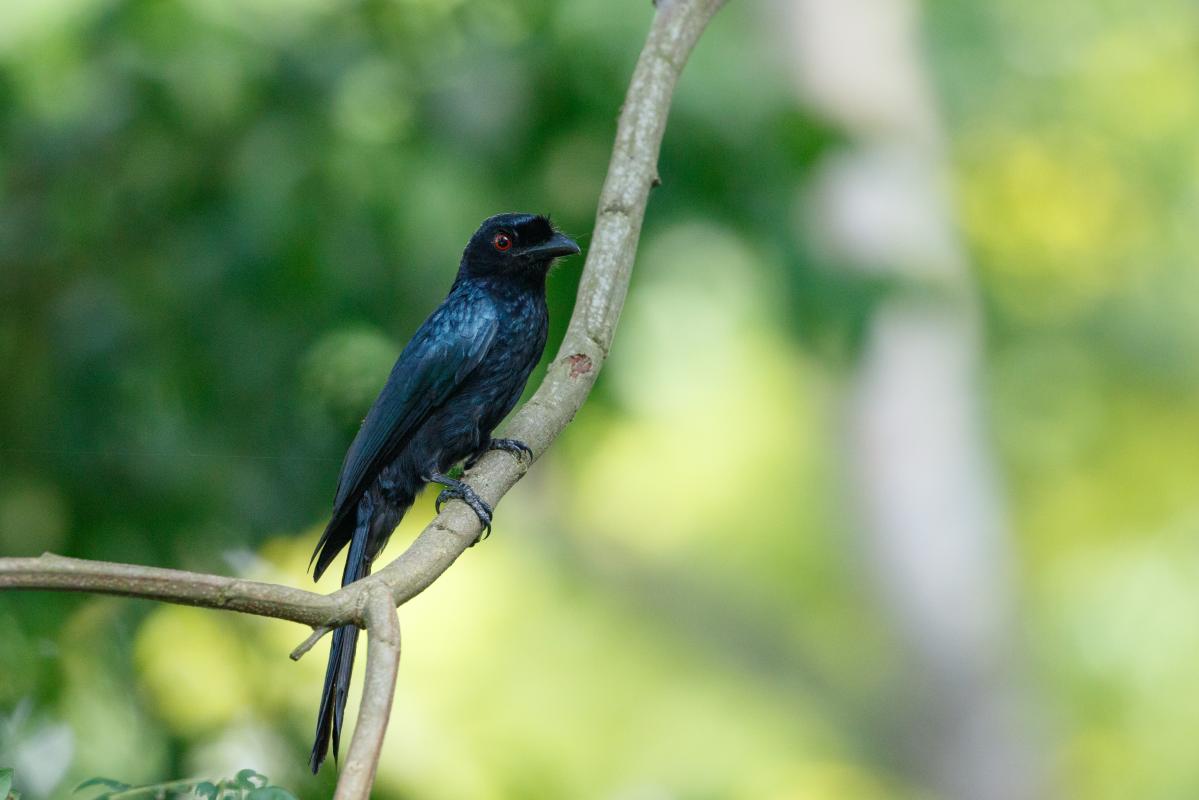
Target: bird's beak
{"type": "Point", "coordinates": [557, 246]}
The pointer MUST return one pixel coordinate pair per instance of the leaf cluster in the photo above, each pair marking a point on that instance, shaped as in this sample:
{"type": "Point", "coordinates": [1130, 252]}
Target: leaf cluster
{"type": "Point", "coordinates": [247, 785]}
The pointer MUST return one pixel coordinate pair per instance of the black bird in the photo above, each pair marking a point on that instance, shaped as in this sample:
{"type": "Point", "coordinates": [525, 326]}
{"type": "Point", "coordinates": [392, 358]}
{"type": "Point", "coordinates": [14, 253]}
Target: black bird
{"type": "Point", "coordinates": [458, 377]}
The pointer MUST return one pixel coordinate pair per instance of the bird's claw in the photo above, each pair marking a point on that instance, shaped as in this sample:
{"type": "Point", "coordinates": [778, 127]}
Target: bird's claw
{"type": "Point", "coordinates": [467, 495]}
{"type": "Point", "coordinates": [514, 446]}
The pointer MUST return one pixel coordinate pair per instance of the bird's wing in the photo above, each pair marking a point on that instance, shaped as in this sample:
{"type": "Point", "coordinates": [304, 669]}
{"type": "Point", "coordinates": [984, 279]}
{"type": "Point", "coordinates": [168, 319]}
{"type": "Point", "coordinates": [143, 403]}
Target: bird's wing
{"type": "Point", "coordinates": [446, 348]}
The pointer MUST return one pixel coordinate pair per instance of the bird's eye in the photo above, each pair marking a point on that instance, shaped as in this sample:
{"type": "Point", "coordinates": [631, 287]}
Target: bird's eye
{"type": "Point", "coordinates": [502, 242]}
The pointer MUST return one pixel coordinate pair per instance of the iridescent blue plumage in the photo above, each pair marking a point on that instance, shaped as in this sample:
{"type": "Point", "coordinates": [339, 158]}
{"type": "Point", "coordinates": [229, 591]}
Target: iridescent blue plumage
{"type": "Point", "coordinates": [458, 377]}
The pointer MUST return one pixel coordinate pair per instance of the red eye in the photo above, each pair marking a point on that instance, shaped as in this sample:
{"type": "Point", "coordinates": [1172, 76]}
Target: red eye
{"type": "Point", "coordinates": [502, 242]}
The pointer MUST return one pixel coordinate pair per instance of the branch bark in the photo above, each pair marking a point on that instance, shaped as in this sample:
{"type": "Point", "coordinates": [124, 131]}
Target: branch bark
{"type": "Point", "coordinates": [50, 571]}
{"type": "Point", "coordinates": [378, 691]}
{"type": "Point", "coordinates": [371, 602]}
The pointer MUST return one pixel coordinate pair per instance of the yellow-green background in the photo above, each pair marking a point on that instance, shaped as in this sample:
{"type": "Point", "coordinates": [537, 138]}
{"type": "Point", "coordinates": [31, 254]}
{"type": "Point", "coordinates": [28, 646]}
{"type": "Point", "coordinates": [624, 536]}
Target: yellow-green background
{"type": "Point", "coordinates": [220, 219]}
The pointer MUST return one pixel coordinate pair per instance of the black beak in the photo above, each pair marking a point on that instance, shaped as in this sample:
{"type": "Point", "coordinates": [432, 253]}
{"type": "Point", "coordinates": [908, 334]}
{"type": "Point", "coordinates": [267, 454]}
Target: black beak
{"type": "Point", "coordinates": [557, 246]}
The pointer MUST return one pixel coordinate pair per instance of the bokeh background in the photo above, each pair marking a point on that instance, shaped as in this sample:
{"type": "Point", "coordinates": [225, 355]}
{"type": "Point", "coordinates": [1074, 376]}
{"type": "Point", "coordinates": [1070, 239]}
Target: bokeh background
{"type": "Point", "coordinates": [221, 219]}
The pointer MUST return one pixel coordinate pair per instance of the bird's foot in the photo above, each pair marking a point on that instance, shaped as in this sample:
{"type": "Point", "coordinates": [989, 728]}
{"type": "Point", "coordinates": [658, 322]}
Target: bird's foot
{"type": "Point", "coordinates": [514, 446]}
{"type": "Point", "coordinates": [458, 490]}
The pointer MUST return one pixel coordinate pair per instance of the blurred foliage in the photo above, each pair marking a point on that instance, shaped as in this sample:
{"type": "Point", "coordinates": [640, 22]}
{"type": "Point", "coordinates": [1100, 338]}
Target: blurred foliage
{"type": "Point", "coordinates": [220, 219]}
{"type": "Point", "coordinates": [248, 785]}
{"type": "Point", "coordinates": [6, 792]}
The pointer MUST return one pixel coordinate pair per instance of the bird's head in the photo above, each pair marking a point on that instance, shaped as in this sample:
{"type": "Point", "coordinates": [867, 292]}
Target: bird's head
{"type": "Point", "coordinates": [515, 245]}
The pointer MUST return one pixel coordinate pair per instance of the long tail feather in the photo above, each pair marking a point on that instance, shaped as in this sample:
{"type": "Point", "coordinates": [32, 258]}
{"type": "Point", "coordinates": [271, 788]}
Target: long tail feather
{"type": "Point", "coordinates": [341, 660]}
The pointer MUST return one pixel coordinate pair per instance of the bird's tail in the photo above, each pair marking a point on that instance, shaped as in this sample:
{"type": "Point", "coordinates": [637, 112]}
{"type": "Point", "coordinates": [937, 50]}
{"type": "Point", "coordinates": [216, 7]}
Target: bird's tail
{"type": "Point", "coordinates": [341, 658]}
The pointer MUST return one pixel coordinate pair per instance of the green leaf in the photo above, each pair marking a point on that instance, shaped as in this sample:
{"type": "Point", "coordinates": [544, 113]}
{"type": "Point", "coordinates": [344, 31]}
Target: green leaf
{"type": "Point", "coordinates": [208, 790]}
{"type": "Point", "coordinates": [249, 779]}
{"type": "Point", "coordinates": [116, 786]}
{"type": "Point", "coordinates": [5, 782]}
{"type": "Point", "coordinates": [270, 793]}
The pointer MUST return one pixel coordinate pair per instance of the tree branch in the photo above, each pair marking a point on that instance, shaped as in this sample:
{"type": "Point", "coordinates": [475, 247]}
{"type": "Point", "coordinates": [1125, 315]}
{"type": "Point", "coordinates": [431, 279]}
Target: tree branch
{"type": "Point", "coordinates": [50, 571]}
{"type": "Point", "coordinates": [378, 690]}
{"type": "Point", "coordinates": [632, 172]}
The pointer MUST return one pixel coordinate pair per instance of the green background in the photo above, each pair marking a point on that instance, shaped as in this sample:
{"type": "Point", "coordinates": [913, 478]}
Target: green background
{"type": "Point", "coordinates": [220, 220]}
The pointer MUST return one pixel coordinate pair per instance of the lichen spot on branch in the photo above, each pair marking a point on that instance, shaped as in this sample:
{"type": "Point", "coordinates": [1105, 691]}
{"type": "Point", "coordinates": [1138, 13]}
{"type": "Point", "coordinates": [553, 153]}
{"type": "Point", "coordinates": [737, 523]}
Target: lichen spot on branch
{"type": "Point", "coordinates": [580, 364]}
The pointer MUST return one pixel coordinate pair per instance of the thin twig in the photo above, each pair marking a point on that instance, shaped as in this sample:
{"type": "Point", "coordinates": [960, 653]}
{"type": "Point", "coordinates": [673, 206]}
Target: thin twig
{"type": "Point", "coordinates": [303, 647]}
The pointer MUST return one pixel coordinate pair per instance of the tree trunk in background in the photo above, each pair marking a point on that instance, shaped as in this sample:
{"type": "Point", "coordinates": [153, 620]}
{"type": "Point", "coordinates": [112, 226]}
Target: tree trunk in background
{"type": "Point", "coordinates": [933, 532]}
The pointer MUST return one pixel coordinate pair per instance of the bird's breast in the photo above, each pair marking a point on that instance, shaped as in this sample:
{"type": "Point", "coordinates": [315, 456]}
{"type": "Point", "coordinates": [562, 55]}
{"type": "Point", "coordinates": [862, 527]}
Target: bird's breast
{"type": "Point", "coordinates": [496, 384]}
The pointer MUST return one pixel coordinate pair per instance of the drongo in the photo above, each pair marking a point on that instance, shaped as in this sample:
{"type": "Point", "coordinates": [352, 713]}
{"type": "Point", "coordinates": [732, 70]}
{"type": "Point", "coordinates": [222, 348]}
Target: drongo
{"type": "Point", "coordinates": [457, 378]}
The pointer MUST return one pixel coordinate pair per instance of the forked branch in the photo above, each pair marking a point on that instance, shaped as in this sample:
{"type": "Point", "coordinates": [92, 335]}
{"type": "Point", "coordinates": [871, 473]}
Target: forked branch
{"type": "Point", "coordinates": [371, 602]}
